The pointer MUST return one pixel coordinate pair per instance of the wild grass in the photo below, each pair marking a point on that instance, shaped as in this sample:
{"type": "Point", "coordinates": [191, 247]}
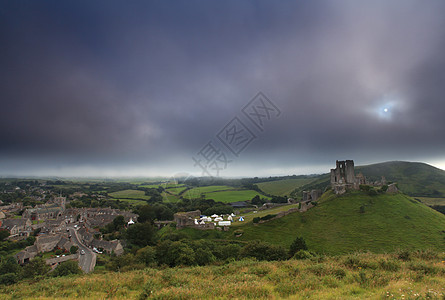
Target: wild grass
{"type": "Point", "coordinates": [352, 276]}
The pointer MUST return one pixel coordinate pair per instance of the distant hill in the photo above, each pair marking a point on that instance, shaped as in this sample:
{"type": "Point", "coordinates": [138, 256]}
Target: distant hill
{"type": "Point", "coordinates": [414, 179]}
{"type": "Point", "coordinates": [357, 221]}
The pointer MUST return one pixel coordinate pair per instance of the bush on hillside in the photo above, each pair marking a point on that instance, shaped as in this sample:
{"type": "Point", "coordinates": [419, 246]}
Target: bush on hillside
{"type": "Point", "coordinates": [67, 268]}
{"type": "Point", "coordinates": [298, 244]}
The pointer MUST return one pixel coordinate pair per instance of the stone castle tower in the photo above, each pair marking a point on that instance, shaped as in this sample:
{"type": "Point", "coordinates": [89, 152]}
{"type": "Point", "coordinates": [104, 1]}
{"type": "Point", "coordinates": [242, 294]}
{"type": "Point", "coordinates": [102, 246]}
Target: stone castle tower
{"type": "Point", "coordinates": [343, 177]}
{"type": "Point", "coordinates": [343, 173]}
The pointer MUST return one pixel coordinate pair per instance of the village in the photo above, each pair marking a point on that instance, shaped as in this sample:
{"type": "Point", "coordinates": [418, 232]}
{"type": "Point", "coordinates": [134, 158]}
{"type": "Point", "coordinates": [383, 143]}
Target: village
{"type": "Point", "coordinates": [56, 227]}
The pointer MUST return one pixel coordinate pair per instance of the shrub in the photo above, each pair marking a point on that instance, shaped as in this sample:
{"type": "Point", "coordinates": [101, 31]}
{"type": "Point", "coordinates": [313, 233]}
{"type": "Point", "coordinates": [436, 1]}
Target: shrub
{"type": "Point", "coordinates": [404, 255]}
{"type": "Point", "coordinates": [389, 265]}
{"type": "Point", "coordinates": [263, 251]}
{"type": "Point", "coordinates": [339, 273]}
{"type": "Point", "coordinates": [256, 219]}
{"type": "Point", "coordinates": [73, 249]}
{"type": "Point", "coordinates": [302, 254]}
{"type": "Point", "coordinates": [268, 217]}
{"type": "Point", "coordinates": [427, 254]}
{"type": "Point", "coordinates": [298, 244]}
{"type": "Point", "coordinates": [146, 255]}
{"type": "Point", "coordinates": [423, 268]}
{"type": "Point", "coordinates": [36, 267]}
{"type": "Point", "coordinates": [8, 279]}
{"type": "Point", "coordinates": [67, 268]}
{"type": "Point", "coordinates": [229, 251]}
{"type": "Point", "coordinates": [364, 187]}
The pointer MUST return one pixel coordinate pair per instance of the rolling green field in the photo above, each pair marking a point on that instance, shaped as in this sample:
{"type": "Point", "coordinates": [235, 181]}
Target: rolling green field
{"type": "Point", "coordinates": [356, 221]}
{"type": "Point", "coordinates": [130, 194]}
{"type": "Point", "coordinates": [283, 187]}
{"type": "Point", "coordinates": [222, 193]}
{"type": "Point", "coordinates": [248, 217]}
{"type": "Point", "coordinates": [355, 276]}
{"type": "Point", "coordinates": [211, 188]}
{"type": "Point", "coordinates": [233, 195]}
{"type": "Point", "coordinates": [176, 190]}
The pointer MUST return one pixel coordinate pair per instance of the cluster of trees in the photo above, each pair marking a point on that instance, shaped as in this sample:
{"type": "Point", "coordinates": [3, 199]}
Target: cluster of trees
{"type": "Point", "coordinates": [194, 252]}
{"type": "Point", "coordinates": [11, 272]}
{"type": "Point", "coordinates": [7, 246]}
{"type": "Point", "coordinates": [95, 201]}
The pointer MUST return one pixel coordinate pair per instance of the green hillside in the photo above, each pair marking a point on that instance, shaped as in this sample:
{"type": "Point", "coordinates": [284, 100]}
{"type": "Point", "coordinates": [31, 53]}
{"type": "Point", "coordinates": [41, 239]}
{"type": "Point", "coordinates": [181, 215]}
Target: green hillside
{"type": "Point", "coordinates": [356, 221]}
{"type": "Point", "coordinates": [414, 179]}
{"type": "Point", "coordinates": [284, 187]}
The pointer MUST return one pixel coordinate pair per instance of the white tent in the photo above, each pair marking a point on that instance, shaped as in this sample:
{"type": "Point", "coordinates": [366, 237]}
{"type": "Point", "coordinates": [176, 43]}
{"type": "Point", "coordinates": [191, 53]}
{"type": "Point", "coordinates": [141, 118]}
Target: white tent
{"type": "Point", "coordinates": [214, 216]}
{"type": "Point", "coordinates": [131, 222]}
{"type": "Point", "coordinates": [241, 219]}
{"type": "Point", "coordinates": [218, 219]}
{"type": "Point", "coordinates": [229, 218]}
{"type": "Point", "coordinates": [196, 221]}
{"type": "Point", "coordinates": [232, 214]}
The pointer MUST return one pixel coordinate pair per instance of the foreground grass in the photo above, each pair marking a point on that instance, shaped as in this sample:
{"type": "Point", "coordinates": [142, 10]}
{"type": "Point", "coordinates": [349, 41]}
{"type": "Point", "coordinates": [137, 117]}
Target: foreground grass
{"type": "Point", "coordinates": [353, 276]}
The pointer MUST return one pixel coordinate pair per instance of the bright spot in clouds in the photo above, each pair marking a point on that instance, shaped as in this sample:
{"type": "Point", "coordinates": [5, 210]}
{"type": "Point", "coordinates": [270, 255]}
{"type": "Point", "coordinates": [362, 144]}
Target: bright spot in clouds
{"type": "Point", "coordinates": [385, 107]}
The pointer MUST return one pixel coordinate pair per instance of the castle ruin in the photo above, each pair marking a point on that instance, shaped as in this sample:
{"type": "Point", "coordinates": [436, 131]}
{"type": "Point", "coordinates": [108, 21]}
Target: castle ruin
{"type": "Point", "coordinates": [343, 178]}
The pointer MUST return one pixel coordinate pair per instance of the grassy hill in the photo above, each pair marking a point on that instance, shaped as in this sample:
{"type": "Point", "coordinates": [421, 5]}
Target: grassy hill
{"type": "Point", "coordinates": [415, 179]}
{"type": "Point", "coordinates": [357, 221]}
{"type": "Point", "coordinates": [356, 276]}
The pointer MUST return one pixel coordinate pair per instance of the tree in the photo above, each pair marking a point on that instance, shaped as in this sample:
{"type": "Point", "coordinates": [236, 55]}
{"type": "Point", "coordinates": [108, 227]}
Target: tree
{"type": "Point", "coordinates": [67, 268]}
{"type": "Point", "coordinates": [146, 255]}
{"type": "Point", "coordinates": [298, 244]}
{"type": "Point", "coordinates": [9, 265]}
{"type": "Point", "coordinates": [73, 249]}
{"type": "Point", "coordinates": [141, 234]}
{"type": "Point", "coordinates": [256, 200]}
{"type": "Point", "coordinates": [119, 222]}
{"type": "Point", "coordinates": [263, 251]}
{"type": "Point", "coordinates": [35, 267]}
{"type": "Point", "coordinates": [3, 234]}
{"type": "Point", "coordinates": [146, 213]}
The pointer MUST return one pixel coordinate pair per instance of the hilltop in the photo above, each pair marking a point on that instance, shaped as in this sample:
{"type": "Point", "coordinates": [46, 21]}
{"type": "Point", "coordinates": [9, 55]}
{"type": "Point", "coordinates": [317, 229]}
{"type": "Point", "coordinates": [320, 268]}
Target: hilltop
{"type": "Point", "coordinates": [413, 178]}
{"type": "Point", "coordinates": [357, 221]}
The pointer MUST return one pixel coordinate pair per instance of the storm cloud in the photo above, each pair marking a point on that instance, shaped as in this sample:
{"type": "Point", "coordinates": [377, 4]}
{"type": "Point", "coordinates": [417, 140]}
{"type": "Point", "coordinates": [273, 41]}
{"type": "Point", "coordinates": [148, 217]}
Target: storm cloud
{"type": "Point", "coordinates": [138, 88]}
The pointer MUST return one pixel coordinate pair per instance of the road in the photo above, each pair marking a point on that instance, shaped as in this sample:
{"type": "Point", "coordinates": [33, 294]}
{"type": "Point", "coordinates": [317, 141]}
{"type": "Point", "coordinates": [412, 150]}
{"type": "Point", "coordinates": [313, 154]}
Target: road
{"type": "Point", "coordinates": [87, 261]}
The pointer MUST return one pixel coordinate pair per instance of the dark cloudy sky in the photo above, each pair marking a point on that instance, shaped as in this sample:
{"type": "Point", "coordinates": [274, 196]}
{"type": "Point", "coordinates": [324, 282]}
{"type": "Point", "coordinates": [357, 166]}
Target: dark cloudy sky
{"type": "Point", "coordinates": [115, 88]}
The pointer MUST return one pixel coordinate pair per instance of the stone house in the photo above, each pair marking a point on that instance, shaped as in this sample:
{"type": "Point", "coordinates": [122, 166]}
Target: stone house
{"type": "Point", "coordinates": [47, 243]}
{"type": "Point", "coordinates": [186, 219]}
{"type": "Point", "coordinates": [17, 226]}
{"type": "Point", "coordinates": [26, 255]}
{"type": "Point", "coordinates": [44, 212]}
{"type": "Point", "coordinates": [109, 246]}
